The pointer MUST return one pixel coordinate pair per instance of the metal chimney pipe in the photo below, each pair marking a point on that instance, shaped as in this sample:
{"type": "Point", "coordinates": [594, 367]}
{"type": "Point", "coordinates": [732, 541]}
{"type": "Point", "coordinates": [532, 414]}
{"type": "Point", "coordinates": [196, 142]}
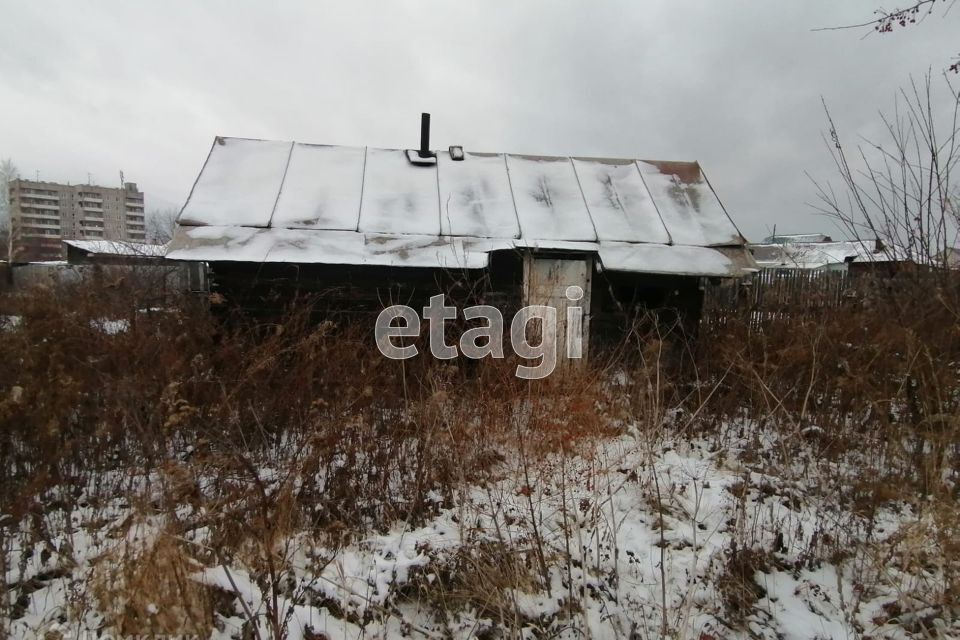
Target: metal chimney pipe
{"type": "Point", "coordinates": [424, 135]}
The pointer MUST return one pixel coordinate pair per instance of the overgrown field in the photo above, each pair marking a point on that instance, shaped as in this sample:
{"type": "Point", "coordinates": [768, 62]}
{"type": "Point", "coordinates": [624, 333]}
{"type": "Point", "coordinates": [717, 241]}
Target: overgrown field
{"type": "Point", "coordinates": [164, 472]}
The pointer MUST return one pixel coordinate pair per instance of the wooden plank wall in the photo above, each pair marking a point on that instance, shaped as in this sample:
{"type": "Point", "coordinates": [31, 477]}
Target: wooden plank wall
{"type": "Point", "coordinates": [770, 295]}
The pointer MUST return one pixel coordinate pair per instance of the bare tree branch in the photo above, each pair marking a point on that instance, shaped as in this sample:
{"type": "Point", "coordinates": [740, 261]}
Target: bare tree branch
{"type": "Point", "coordinates": [160, 225]}
{"type": "Point", "coordinates": [898, 190]}
{"type": "Point", "coordinates": [8, 173]}
{"type": "Point", "coordinates": [886, 21]}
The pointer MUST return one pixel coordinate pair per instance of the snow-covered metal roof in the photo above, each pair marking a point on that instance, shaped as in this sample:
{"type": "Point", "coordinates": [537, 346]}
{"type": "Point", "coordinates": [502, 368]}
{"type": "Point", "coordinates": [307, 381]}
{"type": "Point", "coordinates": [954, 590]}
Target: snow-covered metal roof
{"type": "Point", "coordinates": [118, 248]}
{"type": "Point", "coordinates": [268, 201]}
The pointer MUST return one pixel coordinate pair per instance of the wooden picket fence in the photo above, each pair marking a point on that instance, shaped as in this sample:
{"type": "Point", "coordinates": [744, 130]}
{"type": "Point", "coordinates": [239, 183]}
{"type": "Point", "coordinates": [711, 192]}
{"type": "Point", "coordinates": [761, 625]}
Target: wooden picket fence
{"type": "Point", "coordinates": [770, 295]}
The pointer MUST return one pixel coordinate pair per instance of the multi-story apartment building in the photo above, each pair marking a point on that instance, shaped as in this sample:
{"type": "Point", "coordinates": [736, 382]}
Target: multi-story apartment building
{"type": "Point", "coordinates": [42, 214]}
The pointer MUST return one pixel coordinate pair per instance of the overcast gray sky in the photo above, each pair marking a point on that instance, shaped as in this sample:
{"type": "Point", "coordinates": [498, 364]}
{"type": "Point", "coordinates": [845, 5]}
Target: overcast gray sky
{"type": "Point", "coordinates": [96, 87]}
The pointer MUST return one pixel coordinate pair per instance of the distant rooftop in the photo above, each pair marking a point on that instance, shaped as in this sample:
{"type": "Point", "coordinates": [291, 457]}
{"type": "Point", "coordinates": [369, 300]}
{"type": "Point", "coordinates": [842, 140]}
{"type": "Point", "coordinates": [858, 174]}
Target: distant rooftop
{"type": "Point", "coordinates": [118, 248]}
{"type": "Point", "coordinates": [819, 254]}
{"type": "Point", "coordinates": [797, 237]}
{"type": "Point", "coordinates": [27, 182]}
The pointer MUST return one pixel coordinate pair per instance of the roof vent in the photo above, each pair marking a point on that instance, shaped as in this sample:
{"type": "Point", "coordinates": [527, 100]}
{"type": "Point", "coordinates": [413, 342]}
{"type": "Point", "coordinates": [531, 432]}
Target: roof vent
{"type": "Point", "coordinates": [456, 153]}
{"type": "Point", "coordinates": [414, 157]}
{"type": "Point", "coordinates": [424, 156]}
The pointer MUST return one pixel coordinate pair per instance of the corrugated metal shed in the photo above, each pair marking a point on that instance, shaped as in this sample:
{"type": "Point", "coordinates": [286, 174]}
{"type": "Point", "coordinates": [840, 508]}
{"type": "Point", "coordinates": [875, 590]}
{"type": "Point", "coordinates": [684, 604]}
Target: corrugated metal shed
{"type": "Point", "coordinates": [268, 201]}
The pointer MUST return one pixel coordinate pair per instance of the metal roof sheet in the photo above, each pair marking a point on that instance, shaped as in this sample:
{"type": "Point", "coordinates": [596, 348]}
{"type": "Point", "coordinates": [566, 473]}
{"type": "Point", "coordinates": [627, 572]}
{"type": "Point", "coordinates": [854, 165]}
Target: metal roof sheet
{"type": "Point", "coordinates": [619, 203]}
{"type": "Point", "coordinates": [321, 188]}
{"type": "Point", "coordinates": [475, 197]}
{"type": "Point", "coordinates": [399, 197]}
{"type": "Point", "coordinates": [239, 183]}
{"type": "Point", "coordinates": [548, 199]}
{"type": "Point", "coordinates": [688, 206]}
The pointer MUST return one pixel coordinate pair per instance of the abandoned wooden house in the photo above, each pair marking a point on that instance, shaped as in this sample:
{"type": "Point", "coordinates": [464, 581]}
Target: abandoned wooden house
{"type": "Point", "coordinates": [366, 227]}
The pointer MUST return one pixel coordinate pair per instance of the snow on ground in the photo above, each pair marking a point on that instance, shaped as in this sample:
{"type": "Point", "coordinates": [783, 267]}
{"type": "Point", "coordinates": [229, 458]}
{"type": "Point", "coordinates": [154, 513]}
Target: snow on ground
{"type": "Point", "coordinates": [105, 325]}
{"type": "Point", "coordinates": [110, 327]}
{"type": "Point", "coordinates": [628, 540]}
